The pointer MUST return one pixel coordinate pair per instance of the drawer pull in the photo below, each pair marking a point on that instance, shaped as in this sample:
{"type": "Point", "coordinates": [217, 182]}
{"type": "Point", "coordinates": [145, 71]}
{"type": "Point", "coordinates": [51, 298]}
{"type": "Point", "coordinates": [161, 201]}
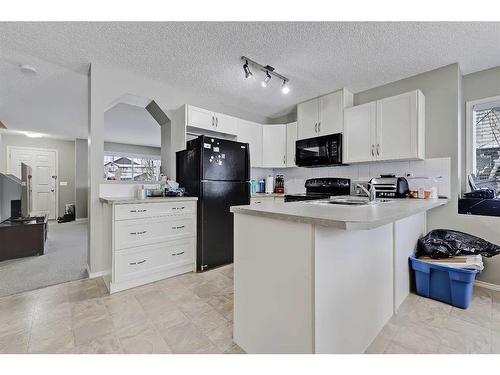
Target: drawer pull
{"type": "Point", "coordinates": [136, 263]}
{"type": "Point", "coordinates": [143, 210]}
{"type": "Point", "coordinates": [175, 254]}
{"type": "Point", "coordinates": [178, 208]}
{"type": "Point", "coordinates": [137, 233]}
{"type": "Point", "coordinates": [179, 227]}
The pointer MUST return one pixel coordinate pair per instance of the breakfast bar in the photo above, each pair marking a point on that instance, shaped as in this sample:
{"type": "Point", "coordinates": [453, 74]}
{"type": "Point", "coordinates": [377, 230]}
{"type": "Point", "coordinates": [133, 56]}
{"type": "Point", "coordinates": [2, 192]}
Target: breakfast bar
{"type": "Point", "coordinates": [314, 277]}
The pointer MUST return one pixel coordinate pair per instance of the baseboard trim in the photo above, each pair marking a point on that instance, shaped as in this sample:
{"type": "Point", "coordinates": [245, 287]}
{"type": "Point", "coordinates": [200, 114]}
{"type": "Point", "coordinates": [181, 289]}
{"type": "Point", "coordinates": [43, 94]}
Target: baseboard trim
{"type": "Point", "coordinates": [484, 285]}
{"type": "Point", "coordinates": [93, 275]}
{"type": "Point", "coordinates": [82, 219]}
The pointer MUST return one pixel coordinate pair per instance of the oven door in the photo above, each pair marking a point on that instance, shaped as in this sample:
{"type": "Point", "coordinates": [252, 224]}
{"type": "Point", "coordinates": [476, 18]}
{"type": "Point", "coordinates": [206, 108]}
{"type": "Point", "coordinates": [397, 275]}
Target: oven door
{"type": "Point", "coordinates": [325, 150]}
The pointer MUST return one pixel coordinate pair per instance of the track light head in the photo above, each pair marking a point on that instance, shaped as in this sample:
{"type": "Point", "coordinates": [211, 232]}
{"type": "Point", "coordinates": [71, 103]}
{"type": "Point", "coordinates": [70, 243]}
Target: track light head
{"type": "Point", "coordinates": [266, 80]}
{"type": "Point", "coordinates": [248, 73]}
{"type": "Point", "coordinates": [285, 89]}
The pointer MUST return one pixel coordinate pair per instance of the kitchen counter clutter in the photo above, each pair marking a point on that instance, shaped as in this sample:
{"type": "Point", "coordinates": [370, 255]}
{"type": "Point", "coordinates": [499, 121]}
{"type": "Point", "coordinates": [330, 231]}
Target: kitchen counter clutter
{"type": "Point", "coordinates": [341, 216]}
{"type": "Point", "coordinates": [148, 239]}
{"type": "Point", "coordinates": [319, 277]}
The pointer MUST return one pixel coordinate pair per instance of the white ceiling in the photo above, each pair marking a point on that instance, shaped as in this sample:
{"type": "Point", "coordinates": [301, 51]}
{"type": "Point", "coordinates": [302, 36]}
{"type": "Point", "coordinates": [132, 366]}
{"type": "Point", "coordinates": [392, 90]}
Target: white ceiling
{"type": "Point", "coordinates": [125, 123]}
{"type": "Point", "coordinates": [203, 59]}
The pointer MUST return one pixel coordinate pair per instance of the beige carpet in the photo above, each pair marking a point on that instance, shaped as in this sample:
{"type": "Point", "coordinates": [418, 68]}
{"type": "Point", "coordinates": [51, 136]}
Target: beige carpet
{"type": "Point", "coordinates": [65, 259]}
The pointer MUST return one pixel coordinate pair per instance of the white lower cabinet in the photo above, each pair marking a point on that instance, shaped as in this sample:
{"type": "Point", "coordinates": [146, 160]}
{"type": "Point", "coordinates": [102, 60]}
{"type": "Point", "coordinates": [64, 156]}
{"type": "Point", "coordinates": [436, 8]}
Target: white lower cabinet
{"type": "Point", "coordinates": [150, 242]}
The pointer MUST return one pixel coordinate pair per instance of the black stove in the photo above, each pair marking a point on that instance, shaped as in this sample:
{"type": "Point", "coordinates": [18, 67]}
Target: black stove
{"type": "Point", "coordinates": [322, 188]}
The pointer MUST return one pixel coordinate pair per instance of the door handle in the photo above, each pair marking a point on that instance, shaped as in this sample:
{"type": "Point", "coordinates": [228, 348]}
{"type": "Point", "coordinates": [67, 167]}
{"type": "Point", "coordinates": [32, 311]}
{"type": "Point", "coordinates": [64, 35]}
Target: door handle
{"type": "Point", "coordinates": [319, 126]}
{"type": "Point", "coordinates": [284, 159]}
{"type": "Point", "coordinates": [373, 150]}
{"type": "Point", "coordinates": [213, 121]}
{"type": "Point", "coordinates": [378, 149]}
{"type": "Point", "coordinates": [316, 127]}
{"type": "Point", "coordinates": [216, 122]}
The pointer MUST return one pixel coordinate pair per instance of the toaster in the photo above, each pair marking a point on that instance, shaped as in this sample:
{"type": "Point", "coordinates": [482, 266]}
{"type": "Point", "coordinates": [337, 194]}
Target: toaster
{"type": "Point", "coordinates": [390, 186]}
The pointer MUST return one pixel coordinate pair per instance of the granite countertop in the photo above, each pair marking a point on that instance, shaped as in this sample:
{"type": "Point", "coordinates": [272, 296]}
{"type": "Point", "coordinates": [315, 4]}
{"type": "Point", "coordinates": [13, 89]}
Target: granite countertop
{"type": "Point", "coordinates": [341, 216]}
{"type": "Point", "coordinates": [129, 200]}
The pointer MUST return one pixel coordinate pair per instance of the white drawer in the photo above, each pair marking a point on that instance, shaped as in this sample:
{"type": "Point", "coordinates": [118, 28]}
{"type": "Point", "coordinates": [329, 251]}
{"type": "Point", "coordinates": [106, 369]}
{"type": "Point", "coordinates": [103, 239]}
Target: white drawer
{"type": "Point", "coordinates": [131, 233]}
{"type": "Point", "coordinates": [146, 260]}
{"type": "Point", "coordinates": [141, 210]}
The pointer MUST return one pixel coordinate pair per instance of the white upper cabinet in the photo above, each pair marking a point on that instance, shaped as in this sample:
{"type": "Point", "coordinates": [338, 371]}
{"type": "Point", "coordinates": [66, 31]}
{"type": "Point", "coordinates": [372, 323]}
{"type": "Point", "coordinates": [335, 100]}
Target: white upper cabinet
{"type": "Point", "coordinates": [291, 138]}
{"type": "Point", "coordinates": [274, 146]}
{"type": "Point", "coordinates": [307, 119]}
{"type": "Point", "coordinates": [400, 126]}
{"type": "Point", "coordinates": [212, 121]}
{"type": "Point", "coordinates": [323, 115]}
{"type": "Point", "coordinates": [251, 133]}
{"type": "Point", "coordinates": [359, 133]}
{"type": "Point", "coordinates": [388, 129]}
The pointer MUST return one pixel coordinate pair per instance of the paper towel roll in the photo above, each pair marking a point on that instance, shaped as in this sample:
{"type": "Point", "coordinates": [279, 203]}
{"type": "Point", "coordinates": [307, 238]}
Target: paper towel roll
{"type": "Point", "coordinates": [269, 185]}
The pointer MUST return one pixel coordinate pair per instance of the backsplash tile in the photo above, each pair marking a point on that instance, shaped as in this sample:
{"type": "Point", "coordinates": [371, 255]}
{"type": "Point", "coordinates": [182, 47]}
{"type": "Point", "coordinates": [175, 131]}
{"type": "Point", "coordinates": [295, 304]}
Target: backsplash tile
{"type": "Point", "coordinates": [295, 177]}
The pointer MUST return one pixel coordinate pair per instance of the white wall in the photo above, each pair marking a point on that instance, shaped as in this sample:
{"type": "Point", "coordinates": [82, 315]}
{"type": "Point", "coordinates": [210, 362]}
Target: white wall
{"type": "Point", "coordinates": [107, 84]}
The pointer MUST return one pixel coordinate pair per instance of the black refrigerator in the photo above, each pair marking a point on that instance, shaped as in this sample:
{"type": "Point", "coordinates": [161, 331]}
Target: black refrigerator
{"type": "Point", "coordinates": [217, 171]}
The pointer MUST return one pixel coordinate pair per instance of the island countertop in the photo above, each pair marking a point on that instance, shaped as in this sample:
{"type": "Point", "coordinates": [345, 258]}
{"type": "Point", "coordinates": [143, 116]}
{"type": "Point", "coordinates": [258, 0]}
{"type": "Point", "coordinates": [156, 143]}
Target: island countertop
{"type": "Point", "coordinates": [134, 200]}
{"type": "Point", "coordinates": [341, 216]}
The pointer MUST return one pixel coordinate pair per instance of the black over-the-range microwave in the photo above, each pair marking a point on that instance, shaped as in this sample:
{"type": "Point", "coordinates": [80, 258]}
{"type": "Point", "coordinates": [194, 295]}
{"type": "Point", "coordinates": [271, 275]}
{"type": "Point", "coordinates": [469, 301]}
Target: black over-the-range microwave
{"type": "Point", "coordinates": [319, 151]}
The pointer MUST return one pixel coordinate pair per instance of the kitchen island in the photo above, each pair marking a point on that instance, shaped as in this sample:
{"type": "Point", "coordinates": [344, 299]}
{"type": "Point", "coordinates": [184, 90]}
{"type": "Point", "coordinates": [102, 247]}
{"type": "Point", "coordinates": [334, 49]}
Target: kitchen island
{"type": "Point", "coordinates": [311, 277]}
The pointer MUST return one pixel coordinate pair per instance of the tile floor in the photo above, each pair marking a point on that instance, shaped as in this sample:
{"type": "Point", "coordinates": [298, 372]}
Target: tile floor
{"type": "Point", "coordinates": [192, 313]}
{"type": "Point", "coordinates": [426, 326]}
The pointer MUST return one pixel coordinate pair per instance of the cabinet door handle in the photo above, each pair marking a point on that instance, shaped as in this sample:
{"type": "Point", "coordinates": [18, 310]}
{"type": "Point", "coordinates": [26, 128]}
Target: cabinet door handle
{"type": "Point", "coordinates": [176, 254]}
{"type": "Point", "coordinates": [179, 227]}
{"type": "Point", "coordinates": [136, 263]}
{"type": "Point", "coordinates": [378, 149]}
{"type": "Point", "coordinates": [316, 127]}
{"type": "Point", "coordinates": [216, 122]}
{"type": "Point", "coordinates": [373, 150]}
{"type": "Point", "coordinates": [284, 159]}
{"type": "Point", "coordinates": [319, 126]}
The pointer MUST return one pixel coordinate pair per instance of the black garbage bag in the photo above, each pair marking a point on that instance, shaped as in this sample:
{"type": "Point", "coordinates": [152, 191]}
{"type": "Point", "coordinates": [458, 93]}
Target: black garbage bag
{"type": "Point", "coordinates": [445, 243]}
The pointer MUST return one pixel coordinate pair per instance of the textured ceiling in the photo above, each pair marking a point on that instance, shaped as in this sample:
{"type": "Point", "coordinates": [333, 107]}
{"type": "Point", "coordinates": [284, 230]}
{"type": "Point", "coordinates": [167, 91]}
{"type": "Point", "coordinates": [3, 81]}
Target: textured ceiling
{"type": "Point", "coordinates": [204, 58]}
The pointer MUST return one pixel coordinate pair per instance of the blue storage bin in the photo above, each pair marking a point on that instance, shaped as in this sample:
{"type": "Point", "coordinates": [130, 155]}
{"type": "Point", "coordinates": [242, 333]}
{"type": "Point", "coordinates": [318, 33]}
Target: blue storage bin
{"type": "Point", "coordinates": [450, 285]}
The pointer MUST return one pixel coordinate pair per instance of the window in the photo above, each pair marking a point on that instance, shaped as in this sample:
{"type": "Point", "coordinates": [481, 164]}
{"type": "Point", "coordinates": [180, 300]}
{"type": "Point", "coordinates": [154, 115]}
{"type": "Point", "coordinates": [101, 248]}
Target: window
{"type": "Point", "coordinates": [484, 140]}
{"type": "Point", "coordinates": [131, 167]}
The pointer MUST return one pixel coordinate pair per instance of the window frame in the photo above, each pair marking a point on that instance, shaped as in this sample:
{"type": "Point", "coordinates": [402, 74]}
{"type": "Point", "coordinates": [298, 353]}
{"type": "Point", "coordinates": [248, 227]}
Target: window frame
{"type": "Point", "coordinates": [470, 136]}
{"type": "Point", "coordinates": [131, 156]}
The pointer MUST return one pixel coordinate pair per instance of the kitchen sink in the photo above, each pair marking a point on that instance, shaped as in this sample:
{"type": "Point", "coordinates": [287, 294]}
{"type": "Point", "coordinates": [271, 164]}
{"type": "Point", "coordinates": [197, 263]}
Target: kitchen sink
{"type": "Point", "coordinates": [350, 201]}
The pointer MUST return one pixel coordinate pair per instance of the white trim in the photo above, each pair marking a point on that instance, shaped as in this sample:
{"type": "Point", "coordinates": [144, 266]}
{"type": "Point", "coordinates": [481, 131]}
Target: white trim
{"type": "Point", "coordinates": [94, 275]}
{"type": "Point", "coordinates": [470, 134]}
{"type": "Point", "coordinates": [9, 149]}
{"type": "Point", "coordinates": [485, 285]}
{"type": "Point", "coordinates": [82, 219]}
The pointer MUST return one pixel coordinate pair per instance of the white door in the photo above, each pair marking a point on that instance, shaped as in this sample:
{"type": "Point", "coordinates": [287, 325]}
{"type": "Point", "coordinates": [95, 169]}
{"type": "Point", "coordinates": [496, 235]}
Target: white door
{"type": "Point", "coordinates": [291, 138]}
{"type": "Point", "coordinates": [43, 165]}
{"type": "Point", "coordinates": [359, 133]}
{"type": "Point", "coordinates": [201, 118]}
{"type": "Point", "coordinates": [274, 146]}
{"type": "Point", "coordinates": [397, 127]}
{"type": "Point", "coordinates": [331, 108]}
{"type": "Point", "coordinates": [307, 119]}
{"type": "Point", "coordinates": [251, 133]}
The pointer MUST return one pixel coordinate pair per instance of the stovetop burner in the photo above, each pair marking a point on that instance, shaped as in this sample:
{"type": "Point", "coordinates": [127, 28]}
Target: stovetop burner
{"type": "Point", "coordinates": [321, 188]}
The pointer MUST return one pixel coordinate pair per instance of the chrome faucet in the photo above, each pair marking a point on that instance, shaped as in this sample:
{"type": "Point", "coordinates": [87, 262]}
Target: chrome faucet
{"type": "Point", "coordinates": [370, 193]}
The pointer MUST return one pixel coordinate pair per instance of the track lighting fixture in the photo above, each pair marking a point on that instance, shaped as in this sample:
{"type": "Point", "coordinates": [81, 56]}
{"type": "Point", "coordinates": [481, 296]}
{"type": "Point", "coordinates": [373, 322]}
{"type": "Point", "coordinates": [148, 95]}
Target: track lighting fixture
{"type": "Point", "coordinates": [284, 88]}
{"type": "Point", "coordinates": [248, 73]}
{"type": "Point", "coordinates": [269, 72]}
{"type": "Point", "coordinates": [266, 80]}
